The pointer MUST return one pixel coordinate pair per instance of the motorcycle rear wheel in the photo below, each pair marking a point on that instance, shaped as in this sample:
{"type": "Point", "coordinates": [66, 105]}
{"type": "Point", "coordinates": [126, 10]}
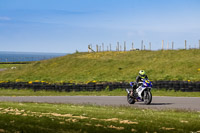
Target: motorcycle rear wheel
{"type": "Point", "coordinates": [130, 99]}
{"type": "Point", "coordinates": [147, 98]}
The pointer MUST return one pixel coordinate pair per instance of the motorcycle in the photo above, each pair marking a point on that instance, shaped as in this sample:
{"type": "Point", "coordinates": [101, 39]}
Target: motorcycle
{"type": "Point", "coordinates": [142, 93]}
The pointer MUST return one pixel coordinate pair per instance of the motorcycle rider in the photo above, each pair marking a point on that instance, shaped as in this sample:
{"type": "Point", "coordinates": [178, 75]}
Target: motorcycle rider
{"type": "Point", "coordinates": [142, 75]}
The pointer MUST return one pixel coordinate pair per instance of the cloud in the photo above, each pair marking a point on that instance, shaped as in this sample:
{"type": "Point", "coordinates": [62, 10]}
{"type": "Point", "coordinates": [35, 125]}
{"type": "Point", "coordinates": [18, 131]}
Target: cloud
{"type": "Point", "coordinates": [5, 18]}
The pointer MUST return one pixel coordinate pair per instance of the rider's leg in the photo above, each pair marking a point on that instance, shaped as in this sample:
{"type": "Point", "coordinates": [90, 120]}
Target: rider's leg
{"type": "Point", "coordinates": [131, 92]}
{"type": "Point", "coordinates": [133, 89]}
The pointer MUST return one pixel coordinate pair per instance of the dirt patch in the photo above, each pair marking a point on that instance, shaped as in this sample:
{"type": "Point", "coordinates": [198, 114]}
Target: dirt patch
{"type": "Point", "coordinates": [112, 119]}
{"type": "Point", "coordinates": [182, 121]}
{"type": "Point", "coordinates": [114, 127]}
{"type": "Point", "coordinates": [127, 122]}
{"type": "Point", "coordinates": [2, 131]}
{"type": "Point", "coordinates": [167, 128]}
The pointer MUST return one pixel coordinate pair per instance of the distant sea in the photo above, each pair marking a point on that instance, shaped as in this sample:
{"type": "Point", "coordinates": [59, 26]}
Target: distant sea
{"type": "Point", "coordinates": [26, 56]}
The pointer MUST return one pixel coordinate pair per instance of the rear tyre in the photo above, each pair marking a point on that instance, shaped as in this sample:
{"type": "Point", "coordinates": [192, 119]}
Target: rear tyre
{"type": "Point", "coordinates": [147, 97]}
{"type": "Point", "coordinates": [130, 99]}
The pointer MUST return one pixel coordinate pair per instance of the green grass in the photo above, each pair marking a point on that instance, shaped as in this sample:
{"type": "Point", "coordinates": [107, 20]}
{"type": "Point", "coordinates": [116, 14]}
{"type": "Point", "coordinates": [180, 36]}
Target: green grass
{"type": "Point", "coordinates": [111, 66]}
{"type": "Point", "coordinates": [10, 65]}
{"type": "Point", "coordinates": [51, 118]}
{"type": "Point", "coordinates": [117, 92]}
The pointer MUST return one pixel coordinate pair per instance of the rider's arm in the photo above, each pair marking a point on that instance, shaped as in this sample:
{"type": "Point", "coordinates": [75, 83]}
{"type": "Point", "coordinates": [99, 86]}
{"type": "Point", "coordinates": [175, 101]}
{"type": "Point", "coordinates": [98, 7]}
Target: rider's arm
{"type": "Point", "coordinates": [137, 79]}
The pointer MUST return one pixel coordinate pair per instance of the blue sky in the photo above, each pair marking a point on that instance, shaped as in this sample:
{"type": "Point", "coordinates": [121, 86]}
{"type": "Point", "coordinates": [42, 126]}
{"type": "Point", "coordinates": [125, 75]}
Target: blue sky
{"type": "Point", "coordinates": [64, 26]}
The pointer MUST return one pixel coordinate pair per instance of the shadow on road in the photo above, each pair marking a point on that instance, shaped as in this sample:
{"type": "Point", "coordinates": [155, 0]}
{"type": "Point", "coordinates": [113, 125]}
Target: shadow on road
{"type": "Point", "coordinates": [161, 103]}
{"type": "Point", "coordinates": [158, 104]}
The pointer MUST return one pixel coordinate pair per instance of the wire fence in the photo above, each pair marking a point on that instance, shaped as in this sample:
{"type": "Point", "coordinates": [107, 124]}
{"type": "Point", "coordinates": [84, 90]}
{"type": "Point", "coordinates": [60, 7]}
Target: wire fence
{"type": "Point", "coordinates": [123, 47]}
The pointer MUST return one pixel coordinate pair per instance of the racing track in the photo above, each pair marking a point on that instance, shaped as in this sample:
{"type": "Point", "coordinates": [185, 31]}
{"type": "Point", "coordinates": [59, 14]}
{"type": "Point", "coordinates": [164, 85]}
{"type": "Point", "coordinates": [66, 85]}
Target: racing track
{"type": "Point", "coordinates": [158, 102]}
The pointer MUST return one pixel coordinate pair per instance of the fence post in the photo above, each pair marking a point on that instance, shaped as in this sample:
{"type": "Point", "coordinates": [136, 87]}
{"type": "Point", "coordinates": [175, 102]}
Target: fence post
{"type": "Point", "coordinates": [185, 44]}
{"type": "Point", "coordinates": [162, 44]}
{"type": "Point", "coordinates": [167, 45]}
{"type": "Point", "coordinates": [117, 46]}
{"type": "Point", "coordinates": [199, 44]}
{"type": "Point", "coordinates": [132, 45]}
{"type": "Point", "coordinates": [124, 46]}
{"type": "Point", "coordinates": [142, 45]}
{"type": "Point", "coordinates": [103, 47]}
{"type": "Point", "coordinates": [97, 48]}
{"type": "Point", "coordinates": [150, 46]}
{"type": "Point", "coordinates": [89, 48]}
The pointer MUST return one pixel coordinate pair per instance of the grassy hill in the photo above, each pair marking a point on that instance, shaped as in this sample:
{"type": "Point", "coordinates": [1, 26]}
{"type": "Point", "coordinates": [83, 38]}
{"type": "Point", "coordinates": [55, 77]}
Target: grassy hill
{"type": "Point", "coordinates": [111, 66]}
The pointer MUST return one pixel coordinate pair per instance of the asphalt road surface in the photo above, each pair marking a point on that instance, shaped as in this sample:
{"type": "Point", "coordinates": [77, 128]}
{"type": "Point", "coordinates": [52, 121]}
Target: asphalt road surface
{"type": "Point", "coordinates": [158, 102]}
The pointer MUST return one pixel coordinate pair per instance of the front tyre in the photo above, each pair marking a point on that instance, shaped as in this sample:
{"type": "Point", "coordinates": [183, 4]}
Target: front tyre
{"type": "Point", "coordinates": [147, 97]}
{"type": "Point", "coordinates": [130, 99]}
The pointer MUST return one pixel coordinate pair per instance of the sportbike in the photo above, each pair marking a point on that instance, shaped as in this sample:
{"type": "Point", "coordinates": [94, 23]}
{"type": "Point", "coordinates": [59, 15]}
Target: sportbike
{"type": "Point", "coordinates": [142, 93]}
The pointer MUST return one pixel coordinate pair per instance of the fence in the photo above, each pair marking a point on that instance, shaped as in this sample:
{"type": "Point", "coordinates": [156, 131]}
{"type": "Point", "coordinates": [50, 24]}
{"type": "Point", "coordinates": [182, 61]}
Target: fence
{"type": "Point", "coordinates": [184, 86]}
{"type": "Point", "coordinates": [123, 47]}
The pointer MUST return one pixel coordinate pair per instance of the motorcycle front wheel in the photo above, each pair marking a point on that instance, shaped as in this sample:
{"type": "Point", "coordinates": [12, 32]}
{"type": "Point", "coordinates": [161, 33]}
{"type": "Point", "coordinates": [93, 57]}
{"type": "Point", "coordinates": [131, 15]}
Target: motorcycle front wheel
{"type": "Point", "coordinates": [147, 97]}
{"type": "Point", "coordinates": [130, 99]}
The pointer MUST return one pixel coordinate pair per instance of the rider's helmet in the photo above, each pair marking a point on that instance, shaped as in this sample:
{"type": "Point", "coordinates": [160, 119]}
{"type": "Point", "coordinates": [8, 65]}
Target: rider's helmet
{"type": "Point", "coordinates": [142, 73]}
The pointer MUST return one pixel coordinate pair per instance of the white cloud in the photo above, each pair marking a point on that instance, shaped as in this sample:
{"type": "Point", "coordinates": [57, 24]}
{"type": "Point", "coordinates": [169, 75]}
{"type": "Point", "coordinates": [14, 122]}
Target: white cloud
{"type": "Point", "coordinates": [5, 18]}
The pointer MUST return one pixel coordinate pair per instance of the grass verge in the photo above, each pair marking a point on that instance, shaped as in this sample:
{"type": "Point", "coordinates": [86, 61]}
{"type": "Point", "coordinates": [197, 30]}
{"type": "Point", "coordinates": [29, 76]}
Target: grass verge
{"type": "Point", "coordinates": [51, 118]}
{"type": "Point", "coordinates": [7, 66]}
{"type": "Point", "coordinates": [117, 92]}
